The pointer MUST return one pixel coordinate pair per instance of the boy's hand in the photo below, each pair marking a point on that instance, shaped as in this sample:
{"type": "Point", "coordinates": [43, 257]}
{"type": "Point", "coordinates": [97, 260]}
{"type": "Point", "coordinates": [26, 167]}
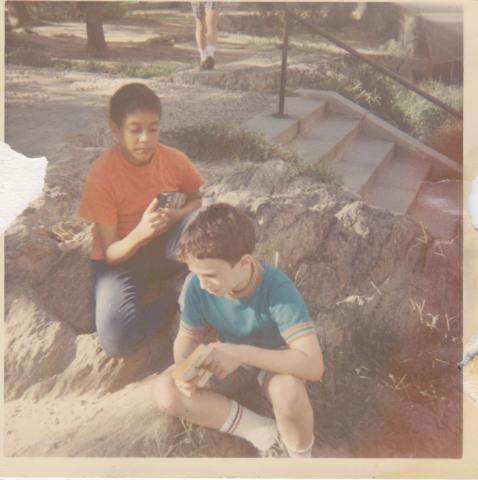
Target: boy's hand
{"type": "Point", "coordinates": [152, 223]}
{"type": "Point", "coordinates": [222, 361]}
{"type": "Point", "coordinates": [187, 388]}
{"type": "Point", "coordinates": [170, 217]}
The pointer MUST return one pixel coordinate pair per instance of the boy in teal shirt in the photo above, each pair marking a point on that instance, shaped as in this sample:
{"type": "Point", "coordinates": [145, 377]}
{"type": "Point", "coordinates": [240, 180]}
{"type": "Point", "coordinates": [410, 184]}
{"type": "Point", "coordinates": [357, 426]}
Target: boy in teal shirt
{"type": "Point", "coordinates": [265, 335]}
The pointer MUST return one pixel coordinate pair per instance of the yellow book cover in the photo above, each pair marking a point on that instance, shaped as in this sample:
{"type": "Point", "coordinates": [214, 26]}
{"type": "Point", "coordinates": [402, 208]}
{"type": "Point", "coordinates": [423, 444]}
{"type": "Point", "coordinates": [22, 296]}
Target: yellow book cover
{"type": "Point", "coordinates": [191, 366]}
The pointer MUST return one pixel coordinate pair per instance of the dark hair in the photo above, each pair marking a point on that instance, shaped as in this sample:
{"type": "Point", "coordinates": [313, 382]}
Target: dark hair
{"type": "Point", "coordinates": [130, 98]}
{"type": "Point", "coordinates": [221, 231]}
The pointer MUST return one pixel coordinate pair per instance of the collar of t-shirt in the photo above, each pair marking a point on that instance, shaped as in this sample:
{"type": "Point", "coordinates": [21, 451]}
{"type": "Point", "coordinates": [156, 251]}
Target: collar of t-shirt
{"type": "Point", "coordinates": [254, 282]}
{"type": "Point", "coordinates": [136, 170]}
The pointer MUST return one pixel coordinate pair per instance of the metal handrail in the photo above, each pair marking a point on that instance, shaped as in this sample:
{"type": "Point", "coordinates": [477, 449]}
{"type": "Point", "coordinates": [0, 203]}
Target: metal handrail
{"type": "Point", "coordinates": [288, 15]}
{"type": "Point", "coordinates": [283, 73]}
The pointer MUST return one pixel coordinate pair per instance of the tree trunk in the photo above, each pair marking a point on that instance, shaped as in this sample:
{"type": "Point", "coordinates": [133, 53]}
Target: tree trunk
{"type": "Point", "coordinates": [92, 13]}
{"type": "Point", "coordinates": [22, 12]}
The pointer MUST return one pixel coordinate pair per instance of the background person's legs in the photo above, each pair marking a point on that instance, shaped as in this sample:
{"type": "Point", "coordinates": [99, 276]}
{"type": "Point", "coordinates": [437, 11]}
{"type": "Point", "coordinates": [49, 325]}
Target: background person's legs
{"type": "Point", "coordinates": [212, 17]}
{"type": "Point", "coordinates": [200, 31]}
{"type": "Point", "coordinates": [206, 16]}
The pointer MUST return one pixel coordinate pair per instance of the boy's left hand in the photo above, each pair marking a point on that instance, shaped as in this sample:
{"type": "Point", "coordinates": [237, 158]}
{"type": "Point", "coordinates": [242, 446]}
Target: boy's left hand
{"type": "Point", "coordinates": [170, 216]}
{"type": "Point", "coordinates": [222, 361]}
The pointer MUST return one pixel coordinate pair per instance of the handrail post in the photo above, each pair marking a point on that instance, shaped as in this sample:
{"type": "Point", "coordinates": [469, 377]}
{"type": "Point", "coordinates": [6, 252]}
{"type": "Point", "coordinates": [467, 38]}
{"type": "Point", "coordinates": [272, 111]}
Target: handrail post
{"type": "Point", "coordinates": [283, 73]}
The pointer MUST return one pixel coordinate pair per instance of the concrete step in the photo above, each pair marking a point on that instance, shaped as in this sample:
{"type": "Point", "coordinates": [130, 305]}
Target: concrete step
{"type": "Point", "coordinates": [305, 110]}
{"type": "Point", "coordinates": [362, 162]}
{"type": "Point", "coordinates": [325, 141]}
{"type": "Point", "coordinates": [398, 182]}
{"type": "Point", "coordinates": [300, 114]}
{"type": "Point", "coordinates": [439, 206]}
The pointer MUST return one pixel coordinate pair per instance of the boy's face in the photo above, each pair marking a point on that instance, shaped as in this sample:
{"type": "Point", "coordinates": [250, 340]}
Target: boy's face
{"type": "Point", "coordinates": [138, 135]}
{"type": "Point", "coordinates": [218, 277]}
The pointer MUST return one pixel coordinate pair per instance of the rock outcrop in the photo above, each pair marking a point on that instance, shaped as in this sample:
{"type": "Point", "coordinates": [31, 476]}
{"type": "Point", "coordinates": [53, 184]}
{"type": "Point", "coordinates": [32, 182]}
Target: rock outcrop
{"type": "Point", "coordinates": [386, 297]}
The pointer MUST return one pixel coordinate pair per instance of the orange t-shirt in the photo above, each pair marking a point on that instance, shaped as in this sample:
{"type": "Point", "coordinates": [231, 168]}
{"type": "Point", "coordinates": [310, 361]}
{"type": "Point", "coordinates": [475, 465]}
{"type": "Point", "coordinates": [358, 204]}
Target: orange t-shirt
{"type": "Point", "coordinates": [117, 192]}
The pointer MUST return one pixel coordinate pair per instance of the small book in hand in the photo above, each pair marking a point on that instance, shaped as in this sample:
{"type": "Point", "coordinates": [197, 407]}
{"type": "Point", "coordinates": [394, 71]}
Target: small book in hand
{"type": "Point", "coordinates": [192, 366]}
{"type": "Point", "coordinates": [171, 199]}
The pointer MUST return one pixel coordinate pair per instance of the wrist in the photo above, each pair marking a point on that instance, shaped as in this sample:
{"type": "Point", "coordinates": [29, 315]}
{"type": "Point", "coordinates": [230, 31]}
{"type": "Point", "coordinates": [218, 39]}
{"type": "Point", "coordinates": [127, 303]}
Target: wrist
{"type": "Point", "coordinates": [135, 237]}
{"type": "Point", "coordinates": [240, 352]}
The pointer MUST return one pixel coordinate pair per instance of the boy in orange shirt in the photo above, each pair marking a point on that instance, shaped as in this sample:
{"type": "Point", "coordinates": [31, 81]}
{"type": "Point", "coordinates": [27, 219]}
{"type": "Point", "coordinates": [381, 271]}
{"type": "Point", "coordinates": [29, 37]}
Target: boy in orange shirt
{"type": "Point", "coordinates": [133, 239]}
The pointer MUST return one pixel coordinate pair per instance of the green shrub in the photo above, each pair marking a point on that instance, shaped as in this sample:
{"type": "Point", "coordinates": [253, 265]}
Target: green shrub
{"type": "Point", "coordinates": [213, 142]}
{"type": "Point", "coordinates": [400, 106]}
{"type": "Point", "coordinates": [144, 70]}
{"type": "Point", "coordinates": [424, 117]}
{"type": "Point", "coordinates": [363, 85]}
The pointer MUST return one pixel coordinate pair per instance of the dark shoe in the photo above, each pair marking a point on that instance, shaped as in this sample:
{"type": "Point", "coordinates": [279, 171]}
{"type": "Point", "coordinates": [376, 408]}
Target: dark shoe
{"type": "Point", "coordinates": [210, 62]}
{"type": "Point", "coordinates": [203, 65]}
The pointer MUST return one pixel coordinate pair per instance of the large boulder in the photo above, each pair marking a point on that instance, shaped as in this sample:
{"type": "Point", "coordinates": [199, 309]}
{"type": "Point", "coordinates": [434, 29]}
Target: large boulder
{"type": "Point", "coordinates": [385, 295]}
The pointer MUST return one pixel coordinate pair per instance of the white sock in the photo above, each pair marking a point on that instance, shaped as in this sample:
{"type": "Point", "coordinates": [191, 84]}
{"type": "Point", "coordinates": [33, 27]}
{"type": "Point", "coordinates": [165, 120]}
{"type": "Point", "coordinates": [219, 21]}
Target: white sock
{"type": "Point", "coordinates": [305, 453]}
{"type": "Point", "coordinates": [244, 423]}
{"type": "Point", "coordinates": [203, 54]}
{"type": "Point", "coordinates": [211, 49]}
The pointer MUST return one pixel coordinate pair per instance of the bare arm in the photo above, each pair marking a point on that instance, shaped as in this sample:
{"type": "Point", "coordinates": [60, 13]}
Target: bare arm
{"type": "Point", "coordinates": [119, 250]}
{"type": "Point", "coordinates": [154, 222]}
{"type": "Point", "coordinates": [302, 360]}
{"type": "Point", "coordinates": [183, 346]}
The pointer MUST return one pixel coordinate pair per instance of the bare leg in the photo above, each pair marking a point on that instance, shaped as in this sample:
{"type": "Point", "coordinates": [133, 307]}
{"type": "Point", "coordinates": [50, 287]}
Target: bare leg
{"type": "Point", "coordinates": [204, 407]}
{"type": "Point", "coordinates": [292, 410]}
{"type": "Point", "coordinates": [212, 17]}
{"type": "Point", "coordinates": [201, 33]}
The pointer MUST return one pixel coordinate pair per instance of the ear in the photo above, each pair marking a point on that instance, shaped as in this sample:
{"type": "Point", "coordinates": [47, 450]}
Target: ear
{"type": "Point", "coordinates": [114, 129]}
{"type": "Point", "coordinates": [246, 259]}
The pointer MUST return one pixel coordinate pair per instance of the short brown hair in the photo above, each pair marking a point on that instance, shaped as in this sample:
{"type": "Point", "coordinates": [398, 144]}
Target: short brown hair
{"type": "Point", "coordinates": [220, 231]}
{"type": "Point", "coordinates": [130, 98]}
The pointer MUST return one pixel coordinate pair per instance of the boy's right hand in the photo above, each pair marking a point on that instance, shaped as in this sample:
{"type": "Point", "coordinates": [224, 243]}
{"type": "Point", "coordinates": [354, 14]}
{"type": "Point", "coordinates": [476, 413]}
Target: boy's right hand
{"type": "Point", "coordinates": [152, 223]}
{"type": "Point", "coordinates": [187, 388]}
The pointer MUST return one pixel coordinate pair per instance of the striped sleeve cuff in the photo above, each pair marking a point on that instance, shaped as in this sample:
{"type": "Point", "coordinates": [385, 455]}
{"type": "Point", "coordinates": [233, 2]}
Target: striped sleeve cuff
{"type": "Point", "coordinates": [190, 331]}
{"type": "Point", "coordinates": [298, 331]}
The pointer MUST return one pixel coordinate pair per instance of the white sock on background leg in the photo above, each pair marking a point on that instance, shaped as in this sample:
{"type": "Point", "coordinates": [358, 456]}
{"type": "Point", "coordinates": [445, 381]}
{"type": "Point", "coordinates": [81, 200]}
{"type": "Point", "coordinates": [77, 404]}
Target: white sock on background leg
{"type": "Point", "coordinates": [244, 423]}
{"type": "Point", "coordinates": [203, 54]}
{"type": "Point", "coordinates": [211, 50]}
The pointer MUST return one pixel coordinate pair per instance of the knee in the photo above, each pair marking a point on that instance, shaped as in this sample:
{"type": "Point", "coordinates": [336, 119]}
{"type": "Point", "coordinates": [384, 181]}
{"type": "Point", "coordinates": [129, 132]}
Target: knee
{"type": "Point", "coordinates": [288, 395]}
{"type": "Point", "coordinates": [118, 346]}
{"type": "Point", "coordinates": [166, 396]}
{"type": "Point", "coordinates": [115, 339]}
{"type": "Point", "coordinates": [114, 328]}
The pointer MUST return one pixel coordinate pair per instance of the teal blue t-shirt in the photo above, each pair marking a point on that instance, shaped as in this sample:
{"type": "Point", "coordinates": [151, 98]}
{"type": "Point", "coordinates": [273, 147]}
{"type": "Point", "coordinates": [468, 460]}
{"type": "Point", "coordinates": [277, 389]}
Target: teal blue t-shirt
{"type": "Point", "coordinates": [272, 316]}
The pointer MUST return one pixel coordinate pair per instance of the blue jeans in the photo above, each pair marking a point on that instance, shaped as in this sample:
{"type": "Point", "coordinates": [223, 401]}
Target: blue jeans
{"type": "Point", "coordinates": [122, 318]}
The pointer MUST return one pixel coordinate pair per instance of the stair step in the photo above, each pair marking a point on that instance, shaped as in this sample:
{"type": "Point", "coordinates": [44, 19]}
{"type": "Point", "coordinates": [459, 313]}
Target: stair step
{"type": "Point", "coordinates": [324, 141]}
{"type": "Point", "coordinates": [307, 111]}
{"type": "Point", "coordinates": [275, 129]}
{"type": "Point", "coordinates": [362, 161]}
{"type": "Point", "coordinates": [398, 182]}
{"type": "Point", "coordinates": [439, 206]}
{"type": "Point", "coordinates": [300, 113]}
